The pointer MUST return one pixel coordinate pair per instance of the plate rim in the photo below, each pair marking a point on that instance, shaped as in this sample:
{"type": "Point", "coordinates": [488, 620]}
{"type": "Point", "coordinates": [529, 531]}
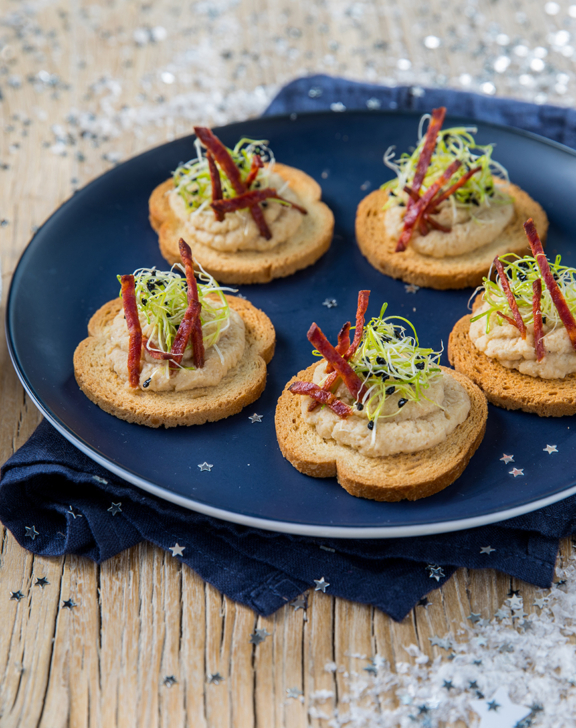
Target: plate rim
{"type": "Point", "coordinates": [344, 532]}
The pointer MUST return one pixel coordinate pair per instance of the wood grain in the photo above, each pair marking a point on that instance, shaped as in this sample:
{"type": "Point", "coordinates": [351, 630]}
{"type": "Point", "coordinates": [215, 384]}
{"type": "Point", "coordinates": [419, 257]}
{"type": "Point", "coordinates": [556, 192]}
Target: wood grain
{"type": "Point", "coordinates": [141, 617]}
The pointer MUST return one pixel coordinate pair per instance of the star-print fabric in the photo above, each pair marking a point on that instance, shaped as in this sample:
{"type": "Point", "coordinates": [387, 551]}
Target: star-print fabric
{"type": "Point", "coordinates": [40, 496]}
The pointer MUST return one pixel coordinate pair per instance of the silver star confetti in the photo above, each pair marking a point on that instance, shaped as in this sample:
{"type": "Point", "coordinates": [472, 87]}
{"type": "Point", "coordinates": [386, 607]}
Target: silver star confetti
{"type": "Point", "coordinates": [256, 418]}
{"type": "Point", "coordinates": [300, 603]}
{"type": "Point", "coordinates": [515, 602]}
{"type": "Point", "coordinates": [115, 508]}
{"type": "Point", "coordinates": [177, 550]}
{"type": "Point", "coordinates": [516, 472]}
{"type": "Point", "coordinates": [540, 603]}
{"type": "Point", "coordinates": [17, 595]}
{"type": "Point", "coordinates": [98, 479]}
{"type": "Point", "coordinates": [435, 572]}
{"type": "Point", "coordinates": [169, 681]}
{"type": "Point", "coordinates": [205, 467]}
{"type": "Point", "coordinates": [411, 288]}
{"type": "Point", "coordinates": [507, 459]}
{"type": "Point", "coordinates": [31, 532]}
{"type": "Point", "coordinates": [474, 618]}
{"type": "Point", "coordinates": [330, 303]}
{"type": "Point", "coordinates": [321, 585]}
{"type": "Point", "coordinates": [435, 641]}
{"type": "Point", "coordinates": [550, 449]}
{"type": "Point", "coordinates": [294, 692]}
{"type": "Point", "coordinates": [42, 582]}
{"type": "Point", "coordinates": [258, 636]}
{"type": "Point", "coordinates": [501, 614]}
{"type": "Point", "coordinates": [74, 515]}
{"type": "Point", "coordinates": [69, 604]}
{"type": "Point", "coordinates": [215, 678]}
{"type": "Point", "coordinates": [486, 550]}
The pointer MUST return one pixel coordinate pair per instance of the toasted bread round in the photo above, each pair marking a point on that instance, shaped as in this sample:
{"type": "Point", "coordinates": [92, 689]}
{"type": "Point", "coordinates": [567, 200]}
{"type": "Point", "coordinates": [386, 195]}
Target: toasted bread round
{"type": "Point", "coordinates": [241, 386]}
{"type": "Point", "coordinates": [392, 478]}
{"type": "Point", "coordinates": [310, 241]}
{"type": "Point", "coordinates": [508, 388]}
{"type": "Point", "coordinates": [461, 271]}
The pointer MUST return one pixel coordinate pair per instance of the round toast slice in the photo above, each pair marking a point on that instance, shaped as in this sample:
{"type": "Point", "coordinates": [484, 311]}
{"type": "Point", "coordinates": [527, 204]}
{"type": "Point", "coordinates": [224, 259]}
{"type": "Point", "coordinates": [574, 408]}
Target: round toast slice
{"type": "Point", "coordinates": [241, 386]}
{"type": "Point", "coordinates": [461, 271]}
{"type": "Point", "coordinates": [391, 478]}
{"type": "Point", "coordinates": [508, 388]}
{"type": "Point", "coordinates": [310, 241]}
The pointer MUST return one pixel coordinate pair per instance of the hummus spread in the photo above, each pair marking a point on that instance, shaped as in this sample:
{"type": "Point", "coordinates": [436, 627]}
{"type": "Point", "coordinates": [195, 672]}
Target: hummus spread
{"type": "Point", "coordinates": [219, 358]}
{"type": "Point", "coordinates": [416, 426]}
{"type": "Point", "coordinates": [471, 228]}
{"type": "Point", "coordinates": [505, 344]}
{"type": "Point", "coordinates": [238, 231]}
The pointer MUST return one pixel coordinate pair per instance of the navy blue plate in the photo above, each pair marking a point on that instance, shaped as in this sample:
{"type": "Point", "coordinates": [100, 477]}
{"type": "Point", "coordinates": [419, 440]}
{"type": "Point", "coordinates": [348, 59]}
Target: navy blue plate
{"type": "Point", "coordinates": [69, 269]}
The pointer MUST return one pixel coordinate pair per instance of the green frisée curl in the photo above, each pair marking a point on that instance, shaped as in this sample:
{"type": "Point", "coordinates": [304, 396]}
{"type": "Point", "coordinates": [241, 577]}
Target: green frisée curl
{"type": "Point", "coordinates": [391, 362]}
{"type": "Point", "coordinates": [161, 297]}
{"type": "Point", "coordinates": [521, 273]}
{"type": "Point", "coordinates": [452, 144]}
{"type": "Point", "coordinates": [192, 179]}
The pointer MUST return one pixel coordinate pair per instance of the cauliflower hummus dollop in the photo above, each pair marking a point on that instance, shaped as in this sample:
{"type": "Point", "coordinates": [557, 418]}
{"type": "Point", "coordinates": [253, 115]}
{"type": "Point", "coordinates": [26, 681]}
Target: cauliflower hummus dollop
{"type": "Point", "coordinates": [416, 426]}
{"type": "Point", "coordinates": [470, 227]}
{"type": "Point", "coordinates": [504, 343]}
{"type": "Point", "coordinates": [238, 231]}
{"type": "Point", "coordinates": [222, 355]}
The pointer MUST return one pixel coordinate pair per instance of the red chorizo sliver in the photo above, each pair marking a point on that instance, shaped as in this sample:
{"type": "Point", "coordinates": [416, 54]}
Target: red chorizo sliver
{"type": "Point", "coordinates": [216, 183]}
{"type": "Point", "coordinates": [134, 330]}
{"type": "Point", "coordinates": [556, 294]}
{"type": "Point", "coordinates": [192, 294]}
{"type": "Point", "coordinates": [322, 397]}
{"type": "Point", "coordinates": [427, 150]}
{"type": "Point", "coordinates": [251, 198]}
{"type": "Point", "coordinates": [519, 322]}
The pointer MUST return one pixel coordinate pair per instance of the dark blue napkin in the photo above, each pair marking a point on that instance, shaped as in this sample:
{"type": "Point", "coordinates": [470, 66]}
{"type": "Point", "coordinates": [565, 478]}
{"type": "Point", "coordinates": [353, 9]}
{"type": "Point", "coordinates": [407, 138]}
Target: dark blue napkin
{"type": "Point", "coordinates": [55, 500]}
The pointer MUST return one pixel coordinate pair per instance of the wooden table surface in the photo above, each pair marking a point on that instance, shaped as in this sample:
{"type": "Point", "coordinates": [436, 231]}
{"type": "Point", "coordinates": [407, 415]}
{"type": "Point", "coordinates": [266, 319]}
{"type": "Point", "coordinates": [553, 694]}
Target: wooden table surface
{"type": "Point", "coordinates": [143, 617]}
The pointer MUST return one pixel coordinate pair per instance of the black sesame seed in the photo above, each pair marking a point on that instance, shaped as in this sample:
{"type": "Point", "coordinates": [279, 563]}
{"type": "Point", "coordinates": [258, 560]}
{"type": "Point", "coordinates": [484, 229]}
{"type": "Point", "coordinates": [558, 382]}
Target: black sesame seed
{"type": "Point", "coordinates": [370, 425]}
{"type": "Point", "coordinates": [555, 276]}
{"type": "Point", "coordinates": [147, 383]}
{"type": "Point", "coordinates": [380, 360]}
{"type": "Point", "coordinates": [153, 273]}
{"type": "Point", "coordinates": [264, 204]}
{"type": "Point", "coordinates": [359, 406]}
{"type": "Point", "coordinates": [474, 201]}
{"type": "Point", "coordinates": [392, 193]}
{"type": "Point", "coordinates": [543, 319]}
{"type": "Point", "coordinates": [420, 365]}
{"type": "Point", "coordinates": [144, 301]}
{"type": "Point", "coordinates": [524, 264]}
{"type": "Point", "coordinates": [402, 402]}
{"type": "Point", "coordinates": [522, 276]}
{"type": "Point", "coordinates": [401, 204]}
{"type": "Point", "coordinates": [385, 339]}
{"type": "Point", "coordinates": [151, 285]}
{"type": "Point", "coordinates": [390, 390]}
{"type": "Point", "coordinates": [384, 376]}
